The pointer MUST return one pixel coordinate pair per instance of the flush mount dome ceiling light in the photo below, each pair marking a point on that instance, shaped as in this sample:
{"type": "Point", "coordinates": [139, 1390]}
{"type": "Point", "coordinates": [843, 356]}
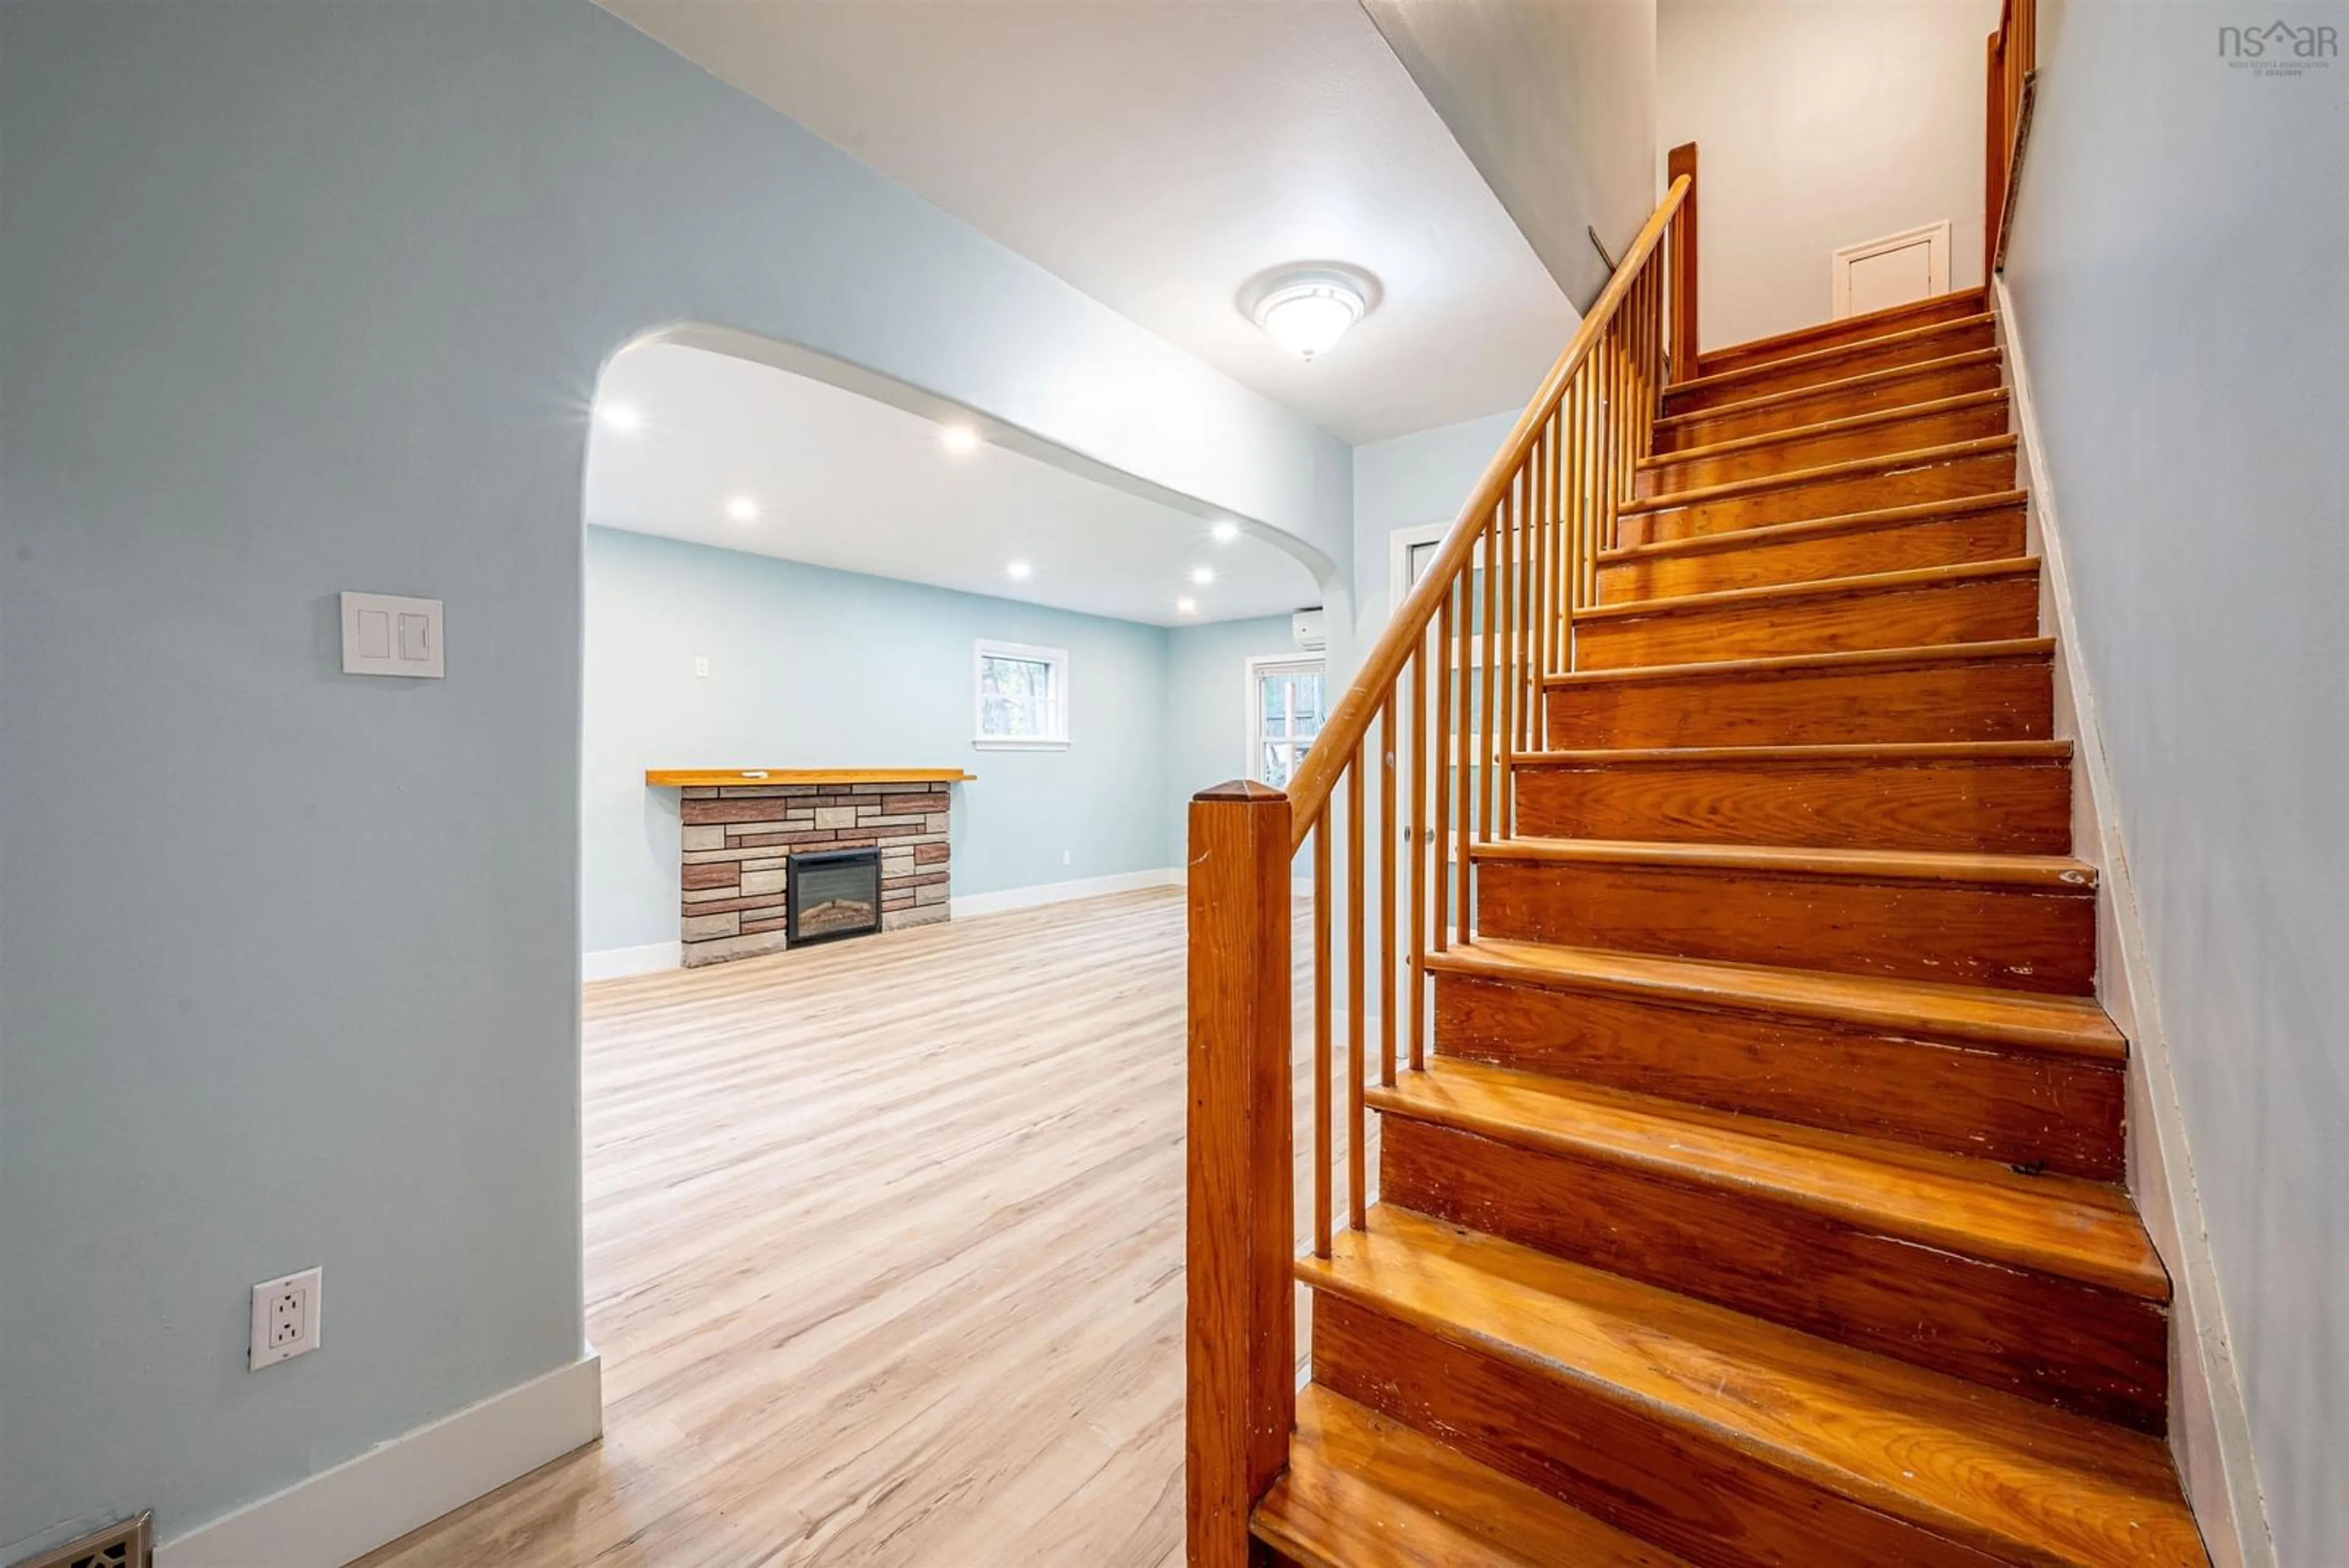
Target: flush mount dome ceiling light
{"type": "Point", "coordinates": [1308, 307]}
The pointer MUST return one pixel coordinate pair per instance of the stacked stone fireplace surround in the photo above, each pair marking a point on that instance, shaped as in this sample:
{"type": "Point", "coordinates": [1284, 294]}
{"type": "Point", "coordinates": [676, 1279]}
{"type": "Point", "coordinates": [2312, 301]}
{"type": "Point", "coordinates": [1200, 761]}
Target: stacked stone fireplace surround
{"type": "Point", "coordinates": [738, 840]}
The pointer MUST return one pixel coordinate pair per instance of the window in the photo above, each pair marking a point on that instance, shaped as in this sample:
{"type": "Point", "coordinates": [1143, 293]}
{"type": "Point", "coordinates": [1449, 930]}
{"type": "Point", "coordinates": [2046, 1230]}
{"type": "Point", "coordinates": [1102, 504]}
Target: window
{"type": "Point", "coordinates": [1284, 715]}
{"type": "Point", "coordinates": [1023, 696]}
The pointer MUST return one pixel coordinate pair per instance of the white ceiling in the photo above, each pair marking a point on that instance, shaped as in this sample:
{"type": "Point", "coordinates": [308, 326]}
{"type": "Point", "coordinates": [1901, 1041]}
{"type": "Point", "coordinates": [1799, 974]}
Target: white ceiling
{"type": "Point", "coordinates": [844, 481]}
{"type": "Point", "coordinates": [1158, 154]}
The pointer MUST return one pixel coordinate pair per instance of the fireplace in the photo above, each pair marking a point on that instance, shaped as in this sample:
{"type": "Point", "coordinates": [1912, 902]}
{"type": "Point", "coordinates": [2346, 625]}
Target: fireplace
{"type": "Point", "coordinates": [834, 893]}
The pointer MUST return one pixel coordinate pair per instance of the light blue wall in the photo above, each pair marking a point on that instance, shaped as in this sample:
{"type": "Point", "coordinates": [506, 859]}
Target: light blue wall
{"type": "Point", "coordinates": [2180, 275]}
{"type": "Point", "coordinates": [811, 668]}
{"type": "Point", "coordinates": [1206, 710]}
{"type": "Point", "coordinates": [1408, 483]}
{"type": "Point", "coordinates": [301, 298]}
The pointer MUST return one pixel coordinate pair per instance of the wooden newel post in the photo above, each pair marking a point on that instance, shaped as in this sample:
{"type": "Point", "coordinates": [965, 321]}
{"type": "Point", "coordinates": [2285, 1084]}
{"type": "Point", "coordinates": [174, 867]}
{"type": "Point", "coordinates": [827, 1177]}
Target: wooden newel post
{"type": "Point", "coordinates": [1679, 160]}
{"type": "Point", "coordinates": [1241, 1230]}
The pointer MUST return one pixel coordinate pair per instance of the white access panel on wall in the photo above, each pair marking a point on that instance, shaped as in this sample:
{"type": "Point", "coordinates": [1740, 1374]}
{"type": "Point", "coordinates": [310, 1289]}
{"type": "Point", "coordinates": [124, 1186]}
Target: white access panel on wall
{"type": "Point", "coordinates": [1898, 269]}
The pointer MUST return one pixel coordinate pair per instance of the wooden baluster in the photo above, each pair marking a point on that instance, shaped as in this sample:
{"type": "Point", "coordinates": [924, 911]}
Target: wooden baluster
{"type": "Point", "coordinates": [1619, 460]}
{"type": "Point", "coordinates": [1576, 438]}
{"type": "Point", "coordinates": [1652, 313]}
{"type": "Point", "coordinates": [1489, 731]}
{"type": "Point", "coordinates": [1537, 623]}
{"type": "Point", "coordinates": [1553, 571]}
{"type": "Point", "coordinates": [1641, 382]}
{"type": "Point", "coordinates": [1679, 160]}
{"type": "Point", "coordinates": [1321, 1131]}
{"type": "Point", "coordinates": [1537, 583]}
{"type": "Point", "coordinates": [1608, 406]}
{"type": "Point", "coordinates": [1583, 541]}
{"type": "Point", "coordinates": [1658, 356]}
{"type": "Point", "coordinates": [1440, 742]}
{"type": "Point", "coordinates": [1461, 829]}
{"type": "Point", "coordinates": [1504, 675]}
{"type": "Point", "coordinates": [1528, 643]}
{"type": "Point", "coordinates": [1387, 887]}
{"type": "Point", "coordinates": [1239, 1328]}
{"type": "Point", "coordinates": [1421, 840]}
{"type": "Point", "coordinates": [1357, 920]}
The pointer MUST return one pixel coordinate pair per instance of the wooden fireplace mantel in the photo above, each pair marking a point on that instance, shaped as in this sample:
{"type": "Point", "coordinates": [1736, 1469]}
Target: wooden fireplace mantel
{"type": "Point", "coordinates": [718, 778]}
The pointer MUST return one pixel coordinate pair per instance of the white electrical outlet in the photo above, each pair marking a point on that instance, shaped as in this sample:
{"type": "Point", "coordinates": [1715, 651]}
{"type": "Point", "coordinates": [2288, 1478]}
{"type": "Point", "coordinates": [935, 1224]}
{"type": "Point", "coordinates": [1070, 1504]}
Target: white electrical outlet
{"type": "Point", "coordinates": [1064, 857]}
{"type": "Point", "coordinates": [701, 667]}
{"type": "Point", "coordinates": [286, 1318]}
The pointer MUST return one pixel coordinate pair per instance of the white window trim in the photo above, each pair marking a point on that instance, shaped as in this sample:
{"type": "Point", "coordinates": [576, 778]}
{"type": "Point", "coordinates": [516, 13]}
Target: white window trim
{"type": "Point", "coordinates": [984, 648]}
{"type": "Point", "coordinates": [1400, 545]}
{"type": "Point", "coordinates": [1252, 722]}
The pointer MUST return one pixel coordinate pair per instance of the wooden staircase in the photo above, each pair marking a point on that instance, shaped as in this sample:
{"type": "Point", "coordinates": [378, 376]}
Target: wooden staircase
{"type": "Point", "coordinates": [1760, 1201]}
{"type": "Point", "coordinates": [1750, 1190]}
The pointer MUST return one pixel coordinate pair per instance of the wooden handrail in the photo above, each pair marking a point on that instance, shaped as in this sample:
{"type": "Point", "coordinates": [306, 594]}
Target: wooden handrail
{"type": "Point", "coordinates": [1334, 749]}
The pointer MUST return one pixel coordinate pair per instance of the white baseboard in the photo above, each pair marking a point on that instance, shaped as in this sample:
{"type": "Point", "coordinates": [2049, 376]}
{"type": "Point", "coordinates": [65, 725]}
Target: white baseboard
{"type": "Point", "coordinates": [1062, 892]}
{"type": "Point", "coordinates": [348, 1511]}
{"type": "Point", "coordinates": [614, 963]}
{"type": "Point", "coordinates": [2209, 1426]}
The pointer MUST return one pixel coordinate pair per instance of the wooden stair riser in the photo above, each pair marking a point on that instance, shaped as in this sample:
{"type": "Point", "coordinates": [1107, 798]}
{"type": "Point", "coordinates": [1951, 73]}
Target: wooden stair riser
{"type": "Point", "coordinates": [1923, 427]}
{"type": "Point", "coordinates": [2015, 807]}
{"type": "Point", "coordinates": [2013, 1106]}
{"type": "Point", "coordinates": [1816, 555]}
{"type": "Point", "coordinates": [2004, 698]}
{"type": "Point", "coordinates": [1362, 1489]}
{"type": "Point", "coordinates": [1885, 353]}
{"type": "Point", "coordinates": [1928, 382]}
{"type": "Point", "coordinates": [2096, 1352]}
{"type": "Point", "coordinates": [1974, 608]}
{"type": "Point", "coordinates": [2033, 937]}
{"type": "Point", "coordinates": [1897, 482]}
{"type": "Point", "coordinates": [1954, 306]}
{"type": "Point", "coordinates": [1687, 1485]}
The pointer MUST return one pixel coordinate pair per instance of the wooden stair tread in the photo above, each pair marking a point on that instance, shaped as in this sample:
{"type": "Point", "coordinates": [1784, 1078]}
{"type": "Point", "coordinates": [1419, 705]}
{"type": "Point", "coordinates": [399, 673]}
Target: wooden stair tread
{"type": "Point", "coordinates": [1846, 424]}
{"type": "Point", "coordinates": [2073, 1026]}
{"type": "Point", "coordinates": [1820, 391]}
{"type": "Point", "coordinates": [1863, 327]}
{"type": "Point", "coordinates": [1946, 653]}
{"type": "Point", "coordinates": [1957, 326]}
{"type": "Point", "coordinates": [1363, 1491]}
{"type": "Point", "coordinates": [1812, 528]}
{"type": "Point", "coordinates": [1814, 589]}
{"type": "Point", "coordinates": [2060, 1226]}
{"type": "Point", "coordinates": [1889, 464]}
{"type": "Point", "coordinates": [2006, 1476]}
{"type": "Point", "coordinates": [2052, 871]}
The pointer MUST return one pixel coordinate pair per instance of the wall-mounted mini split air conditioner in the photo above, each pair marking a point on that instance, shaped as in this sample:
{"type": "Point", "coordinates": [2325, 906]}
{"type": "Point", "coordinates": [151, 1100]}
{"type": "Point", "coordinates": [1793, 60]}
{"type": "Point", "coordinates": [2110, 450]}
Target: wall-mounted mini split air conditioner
{"type": "Point", "coordinates": [1305, 627]}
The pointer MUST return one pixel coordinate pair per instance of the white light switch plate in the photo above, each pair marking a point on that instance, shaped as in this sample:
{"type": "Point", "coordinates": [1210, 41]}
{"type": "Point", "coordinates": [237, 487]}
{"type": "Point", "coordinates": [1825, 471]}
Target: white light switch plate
{"type": "Point", "coordinates": [384, 634]}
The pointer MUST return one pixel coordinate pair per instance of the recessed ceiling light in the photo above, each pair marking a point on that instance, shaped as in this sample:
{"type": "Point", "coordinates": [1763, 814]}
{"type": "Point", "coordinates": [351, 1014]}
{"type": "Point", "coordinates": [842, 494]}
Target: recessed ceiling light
{"type": "Point", "coordinates": [1203, 575]}
{"type": "Point", "coordinates": [1186, 606]}
{"type": "Point", "coordinates": [1225, 532]}
{"type": "Point", "coordinates": [1020, 571]}
{"type": "Point", "coordinates": [622, 417]}
{"type": "Point", "coordinates": [742, 509]}
{"type": "Point", "coordinates": [1307, 309]}
{"type": "Point", "coordinates": [959, 438]}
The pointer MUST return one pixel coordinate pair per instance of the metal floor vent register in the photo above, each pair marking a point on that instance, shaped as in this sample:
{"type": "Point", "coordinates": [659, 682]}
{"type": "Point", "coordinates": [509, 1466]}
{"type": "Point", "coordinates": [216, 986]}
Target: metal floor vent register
{"type": "Point", "coordinates": [129, 1544]}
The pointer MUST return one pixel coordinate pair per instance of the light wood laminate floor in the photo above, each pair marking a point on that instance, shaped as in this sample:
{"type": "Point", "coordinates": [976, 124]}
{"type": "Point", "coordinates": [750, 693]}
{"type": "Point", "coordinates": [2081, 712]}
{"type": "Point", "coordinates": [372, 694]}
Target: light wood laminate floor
{"type": "Point", "coordinates": [884, 1258]}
